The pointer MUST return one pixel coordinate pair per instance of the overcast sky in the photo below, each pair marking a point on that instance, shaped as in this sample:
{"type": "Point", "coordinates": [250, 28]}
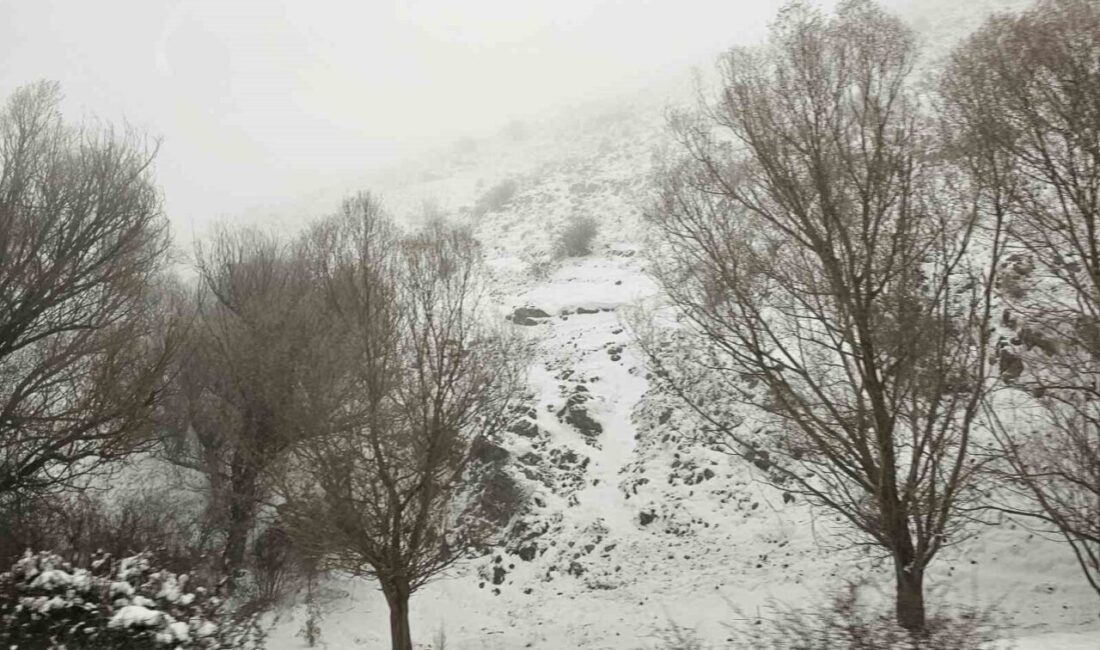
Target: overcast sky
{"type": "Point", "coordinates": [258, 100]}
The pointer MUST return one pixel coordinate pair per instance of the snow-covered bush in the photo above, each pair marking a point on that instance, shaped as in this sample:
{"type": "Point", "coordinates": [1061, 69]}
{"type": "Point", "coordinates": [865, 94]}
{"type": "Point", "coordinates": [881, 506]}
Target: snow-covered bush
{"type": "Point", "coordinates": [47, 603]}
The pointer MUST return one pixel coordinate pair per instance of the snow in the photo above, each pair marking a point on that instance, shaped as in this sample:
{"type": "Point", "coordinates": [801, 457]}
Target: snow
{"type": "Point", "coordinates": [1056, 641]}
{"type": "Point", "coordinates": [135, 615]}
{"type": "Point", "coordinates": [717, 550]}
{"type": "Point", "coordinates": [721, 545]}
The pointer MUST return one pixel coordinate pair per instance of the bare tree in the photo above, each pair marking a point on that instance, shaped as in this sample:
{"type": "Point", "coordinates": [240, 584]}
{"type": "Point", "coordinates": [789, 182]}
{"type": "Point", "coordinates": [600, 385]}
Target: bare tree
{"type": "Point", "coordinates": [820, 252]}
{"type": "Point", "coordinates": [1023, 96]}
{"type": "Point", "coordinates": [385, 492]}
{"type": "Point", "coordinates": [82, 238]}
{"type": "Point", "coordinates": [248, 382]}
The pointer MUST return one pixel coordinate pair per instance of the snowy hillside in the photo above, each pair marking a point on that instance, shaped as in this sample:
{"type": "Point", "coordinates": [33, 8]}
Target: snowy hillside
{"type": "Point", "coordinates": [622, 526]}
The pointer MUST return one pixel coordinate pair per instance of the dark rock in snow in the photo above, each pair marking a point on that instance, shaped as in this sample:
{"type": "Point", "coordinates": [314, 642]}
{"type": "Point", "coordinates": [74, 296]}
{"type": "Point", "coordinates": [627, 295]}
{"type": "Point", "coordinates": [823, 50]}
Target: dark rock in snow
{"type": "Point", "coordinates": [525, 428]}
{"type": "Point", "coordinates": [646, 518]}
{"type": "Point", "coordinates": [486, 452]}
{"type": "Point", "coordinates": [579, 418]}
{"type": "Point", "coordinates": [529, 312]}
{"type": "Point", "coordinates": [575, 414]}
{"type": "Point", "coordinates": [501, 499]}
{"type": "Point", "coordinates": [1011, 365]}
{"type": "Point", "coordinates": [759, 458]}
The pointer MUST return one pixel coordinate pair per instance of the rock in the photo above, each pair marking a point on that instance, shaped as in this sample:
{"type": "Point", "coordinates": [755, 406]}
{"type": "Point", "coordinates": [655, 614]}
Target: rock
{"type": "Point", "coordinates": [528, 316]}
{"type": "Point", "coordinates": [485, 452]}
{"type": "Point", "coordinates": [501, 499]}
{"type": "Point", "coordinates": [529, 312]}
{"type": "Point", "coordinates": [760, 458]}
{"type": "Point", "coordinates": [499, 573]}
{"type": "Point", "coordinates": [788, 497]}
{"type": "Point", "coordinates": [579, 418]}
{"type": "Point", "coordinates": [1011, 365]}
{"type": "Point", "coordinates": [525, 428]}
{"type": "Point", "coordinates": [585, 310]}
{"type": "Point", "coordinates": [646, 518]}
{"type": "Point", "coordinates": [575, 414]}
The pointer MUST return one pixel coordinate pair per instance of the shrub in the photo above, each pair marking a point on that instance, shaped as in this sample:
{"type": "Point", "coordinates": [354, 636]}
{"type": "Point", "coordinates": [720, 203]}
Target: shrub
{"type": "Point", "coordinates": [277, 567]}
{"type": "Point", "coordinates": [540, 267]}
{"type": "Point", "coordinates": [126, 604]}
{"type": "Point", "coordinates": [845, 622]}
{"type": "Point", "coordinates": [80, 525]}
{"type": "Point", "coordinates": [677, 637]}
{"type": "Point", "coordinates": [576, 239]}
{"type": "Point", "coordinates": [311, 630]}
{"type": "Point", "coordinates": [496, 197]}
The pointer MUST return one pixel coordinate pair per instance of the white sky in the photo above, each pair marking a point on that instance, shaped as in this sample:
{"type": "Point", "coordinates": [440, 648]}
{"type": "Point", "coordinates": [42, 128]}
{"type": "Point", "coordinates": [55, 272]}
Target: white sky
{"type": "Point", "coordinates": [259, 100]}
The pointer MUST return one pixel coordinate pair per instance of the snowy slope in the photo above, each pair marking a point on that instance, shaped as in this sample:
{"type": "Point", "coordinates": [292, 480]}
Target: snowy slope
{"type": "Point", "coordinates": [626, 525]}
{"type": "Point", "coordinates": [629, 527]}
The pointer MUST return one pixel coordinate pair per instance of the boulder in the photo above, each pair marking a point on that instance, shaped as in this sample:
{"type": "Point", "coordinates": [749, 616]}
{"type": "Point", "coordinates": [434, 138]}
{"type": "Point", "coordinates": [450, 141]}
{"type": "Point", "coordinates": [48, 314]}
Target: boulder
{"type": "Point", "coordinates": [529, 312]}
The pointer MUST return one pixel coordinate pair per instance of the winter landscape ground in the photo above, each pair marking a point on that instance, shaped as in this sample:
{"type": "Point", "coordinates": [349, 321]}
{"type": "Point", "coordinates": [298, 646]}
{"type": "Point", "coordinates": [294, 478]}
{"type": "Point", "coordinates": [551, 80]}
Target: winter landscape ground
{"type": "Point", "coordinates": [619, 518]}
{"type": "Point", "coordinates": [625, 527]}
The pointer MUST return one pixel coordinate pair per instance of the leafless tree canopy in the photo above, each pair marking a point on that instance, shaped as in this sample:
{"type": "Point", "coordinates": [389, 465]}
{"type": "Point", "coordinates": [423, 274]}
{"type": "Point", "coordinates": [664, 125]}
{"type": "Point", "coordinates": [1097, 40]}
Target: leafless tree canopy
{"type": "Point", "coordinates": [821, 251]}
{"type": "Point", "coordinates": [82, 356]}
{"type": "Point", "coordinates": [1023, 96]}
{"type": "Point", "coordinates": [384, 492]}
{"type": "Point", "coordinates": [253, 377]}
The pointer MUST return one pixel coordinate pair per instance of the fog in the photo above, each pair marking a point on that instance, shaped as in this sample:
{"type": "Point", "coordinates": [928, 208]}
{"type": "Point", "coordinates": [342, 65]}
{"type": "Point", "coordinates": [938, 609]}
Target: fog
{"type": "Point", "coordinates": [258, 100]}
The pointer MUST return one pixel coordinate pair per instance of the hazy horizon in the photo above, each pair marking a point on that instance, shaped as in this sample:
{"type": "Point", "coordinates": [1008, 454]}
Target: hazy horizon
{"type": "Point", "coordinates": [262, 101]}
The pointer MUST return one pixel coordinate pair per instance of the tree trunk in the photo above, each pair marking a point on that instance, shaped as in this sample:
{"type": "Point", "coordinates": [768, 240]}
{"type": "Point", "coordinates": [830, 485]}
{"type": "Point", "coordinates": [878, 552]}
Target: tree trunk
{"type": "Point", "coordinates": [233, 557]}
{"type": "Point", "coordinates": [397, 595]}
{"type": "Point", "coordinates": [241, 508]}
{"type": "Point", "coordinates": [909, 601]}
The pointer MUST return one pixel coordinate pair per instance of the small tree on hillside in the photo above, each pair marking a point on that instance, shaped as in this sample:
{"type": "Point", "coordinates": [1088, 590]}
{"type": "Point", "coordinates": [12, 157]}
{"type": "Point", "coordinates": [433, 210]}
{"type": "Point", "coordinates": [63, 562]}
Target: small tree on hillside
{"type": "Point", "coordinates": [383, 492]}
{"type": "Point", "coordinates": [1023, 96]}
{"type": "Point", "coordinates": [576, 238]}
{"type": "Point", "coordinates": [495, 198]}
{"type": "Point", "coordinates": [83, 351]}
{"type": "Point", "coordinates": [819, 251]}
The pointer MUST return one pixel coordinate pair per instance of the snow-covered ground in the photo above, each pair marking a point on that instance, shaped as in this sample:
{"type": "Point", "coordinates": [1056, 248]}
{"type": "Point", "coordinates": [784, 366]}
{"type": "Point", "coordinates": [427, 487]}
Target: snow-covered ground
{"type": "Point", "coordinates": [627, 525]}
{"type": "Point", "coordinates": [630, 527]}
